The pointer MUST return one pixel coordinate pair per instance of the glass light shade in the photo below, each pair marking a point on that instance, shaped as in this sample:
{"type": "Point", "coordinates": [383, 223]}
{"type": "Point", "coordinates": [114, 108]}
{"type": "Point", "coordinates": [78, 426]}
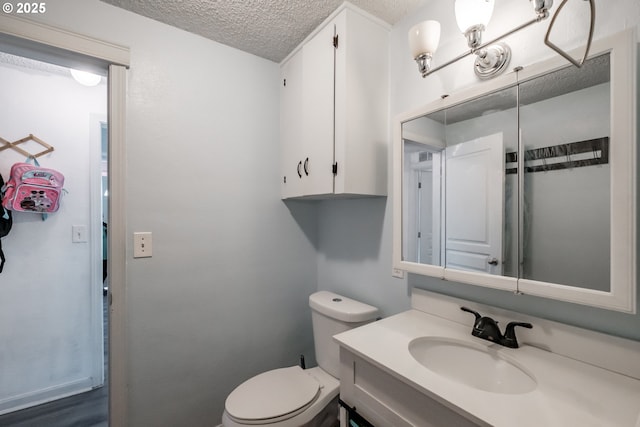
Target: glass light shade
{"type": "Point", "coordinates": [85, 78]}
{"type": "Point", "coordinates": [473, 12]}
{"type": "Point", "coordinates": [424, 38]}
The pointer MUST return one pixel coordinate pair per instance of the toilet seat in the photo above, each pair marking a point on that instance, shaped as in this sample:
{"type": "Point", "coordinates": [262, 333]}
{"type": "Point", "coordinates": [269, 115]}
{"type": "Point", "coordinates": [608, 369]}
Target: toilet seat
{"type": "Point", "coordinates": [275, 396]}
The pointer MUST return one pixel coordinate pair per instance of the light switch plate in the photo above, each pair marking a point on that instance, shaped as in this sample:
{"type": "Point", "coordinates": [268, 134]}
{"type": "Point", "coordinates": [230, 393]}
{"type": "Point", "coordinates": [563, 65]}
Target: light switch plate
{"type": "Point", "coordinates": [79, 233]}
{"type": "Point", "coordinates": [397, 273]}
{"type": "Point", "coordinates": [142, 244]}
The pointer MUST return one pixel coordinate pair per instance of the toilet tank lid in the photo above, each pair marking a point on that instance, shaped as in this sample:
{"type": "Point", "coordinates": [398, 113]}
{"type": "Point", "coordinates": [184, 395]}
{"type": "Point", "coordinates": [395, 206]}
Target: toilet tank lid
{"type": "Point", "coordinates": [342, 308]}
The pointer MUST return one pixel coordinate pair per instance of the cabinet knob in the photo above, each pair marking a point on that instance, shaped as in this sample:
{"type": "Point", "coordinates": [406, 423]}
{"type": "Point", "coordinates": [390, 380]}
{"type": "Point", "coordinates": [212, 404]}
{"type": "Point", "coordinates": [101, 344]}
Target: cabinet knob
{"type": "Point", "coordinates": [493, 261]}
{"type": "Point", "coordinates": [306, 166]}
{"type": "Point", "coordinates": [299, 173]}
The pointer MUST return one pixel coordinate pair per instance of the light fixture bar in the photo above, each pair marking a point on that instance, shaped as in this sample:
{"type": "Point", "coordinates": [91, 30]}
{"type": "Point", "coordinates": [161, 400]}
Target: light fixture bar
{"type": "Point", "coordinates": [541, 16]}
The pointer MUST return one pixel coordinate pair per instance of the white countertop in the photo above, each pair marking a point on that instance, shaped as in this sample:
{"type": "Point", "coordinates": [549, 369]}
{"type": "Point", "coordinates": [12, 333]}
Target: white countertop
{"type": "Point", "coordinates": [568, 392]}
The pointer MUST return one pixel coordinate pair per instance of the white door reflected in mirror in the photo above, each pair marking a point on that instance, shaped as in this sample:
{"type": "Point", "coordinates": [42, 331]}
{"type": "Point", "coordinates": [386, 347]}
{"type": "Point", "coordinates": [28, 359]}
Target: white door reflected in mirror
{"type": "Point", "coordinates": [474, 205]}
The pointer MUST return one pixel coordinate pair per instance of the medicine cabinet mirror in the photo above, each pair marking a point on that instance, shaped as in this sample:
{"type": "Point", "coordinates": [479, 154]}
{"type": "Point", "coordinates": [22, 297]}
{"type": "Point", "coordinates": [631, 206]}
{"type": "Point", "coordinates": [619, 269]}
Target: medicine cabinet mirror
{"type": "Point", "coordinates": [526, 183]}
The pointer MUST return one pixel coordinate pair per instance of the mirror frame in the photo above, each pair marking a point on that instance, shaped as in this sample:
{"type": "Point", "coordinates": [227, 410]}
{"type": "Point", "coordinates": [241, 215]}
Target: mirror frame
{"type": "Point", "coordinates": [623, 50]}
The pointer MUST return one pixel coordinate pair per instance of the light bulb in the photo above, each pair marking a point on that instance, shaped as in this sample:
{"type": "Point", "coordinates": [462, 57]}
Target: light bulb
{"type": "Point", "coordinates": [85, 78]}
{"type": "Point", "coordinates": [470, 13]}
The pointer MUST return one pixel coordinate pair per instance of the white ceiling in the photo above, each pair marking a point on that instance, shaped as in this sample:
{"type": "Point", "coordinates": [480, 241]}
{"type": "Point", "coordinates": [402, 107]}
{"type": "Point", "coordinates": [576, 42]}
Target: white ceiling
{"type": "Point", "coordinates": [267, 28]}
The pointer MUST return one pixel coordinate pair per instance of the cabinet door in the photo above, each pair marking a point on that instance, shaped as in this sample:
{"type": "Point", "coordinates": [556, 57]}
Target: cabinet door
{"type": "Point", "coordinates": [291, 149]}
{"type": "Point", "coordinates": [385, 400]}
{"type": "Point", "coordinates": [318, 112]}
{"type": "Point", "coordinates": [361, 105]}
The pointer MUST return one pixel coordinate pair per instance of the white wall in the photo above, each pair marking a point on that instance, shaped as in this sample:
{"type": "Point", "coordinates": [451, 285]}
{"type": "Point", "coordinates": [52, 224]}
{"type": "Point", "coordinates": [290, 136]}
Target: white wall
{"type": "Point", "coordinates": [225, 294]}
{"type": "Point", "coordinates": [49, 344]}
{"type": "Point", "coordinates": [355, 236]}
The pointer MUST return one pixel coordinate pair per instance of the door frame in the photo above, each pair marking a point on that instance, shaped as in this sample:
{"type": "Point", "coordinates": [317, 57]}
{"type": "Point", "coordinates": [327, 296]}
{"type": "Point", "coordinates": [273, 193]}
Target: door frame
{"type": "Point", "coordinates": [96, 122]}
{"type": "Point", "coordinates": [50, 44]}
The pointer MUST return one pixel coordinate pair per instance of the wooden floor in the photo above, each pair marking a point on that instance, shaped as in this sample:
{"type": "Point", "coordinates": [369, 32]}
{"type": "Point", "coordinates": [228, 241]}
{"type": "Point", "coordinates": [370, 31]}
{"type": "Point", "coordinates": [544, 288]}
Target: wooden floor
{"type": "Point", "coordinates": [83, 410]}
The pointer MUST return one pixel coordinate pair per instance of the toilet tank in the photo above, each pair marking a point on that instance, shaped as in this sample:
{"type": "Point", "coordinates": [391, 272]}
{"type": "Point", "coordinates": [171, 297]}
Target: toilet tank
{"type": "Point", "coordinates": [331, 314]}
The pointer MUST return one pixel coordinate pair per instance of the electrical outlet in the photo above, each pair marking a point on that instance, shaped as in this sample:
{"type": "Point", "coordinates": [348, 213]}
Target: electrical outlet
{"type": "Point", "coordinates": [142, 245]}
{"type": "Point", "coordinates": [397, 273]}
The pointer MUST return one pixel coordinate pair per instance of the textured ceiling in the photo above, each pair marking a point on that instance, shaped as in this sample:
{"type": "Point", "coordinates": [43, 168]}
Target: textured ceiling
{"type": "Point", "coordinates": [32, 65]}
{"type": "Point", "coordinates": [267, 28]}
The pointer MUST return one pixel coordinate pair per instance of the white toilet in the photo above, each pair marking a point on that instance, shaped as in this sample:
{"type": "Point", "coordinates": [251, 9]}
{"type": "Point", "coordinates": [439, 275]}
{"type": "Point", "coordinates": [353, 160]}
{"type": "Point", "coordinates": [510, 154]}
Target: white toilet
{"type": "Point", "coordinates": [295, 397]}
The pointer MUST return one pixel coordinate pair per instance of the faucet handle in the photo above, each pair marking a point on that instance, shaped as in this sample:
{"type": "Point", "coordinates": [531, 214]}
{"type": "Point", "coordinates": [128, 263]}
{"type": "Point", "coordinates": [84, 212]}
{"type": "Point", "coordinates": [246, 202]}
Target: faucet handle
{"type": "Point", "coordinates": [475, 313]}
{"type": "Point", "coordinates": [509, 339]}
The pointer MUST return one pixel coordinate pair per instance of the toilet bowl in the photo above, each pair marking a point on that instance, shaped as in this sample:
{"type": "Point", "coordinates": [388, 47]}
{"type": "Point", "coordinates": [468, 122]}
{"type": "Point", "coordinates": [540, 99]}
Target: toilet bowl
{"type": "Point", "coordinates": [286, 397]}
{"type": "Point", "coordinates": [295, 397]}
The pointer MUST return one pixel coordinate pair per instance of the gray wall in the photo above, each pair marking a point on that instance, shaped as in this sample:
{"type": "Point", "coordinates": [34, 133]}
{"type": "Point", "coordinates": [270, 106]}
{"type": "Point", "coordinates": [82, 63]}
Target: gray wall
{"type": "Point", "coordinates": [566, 215]}
{"type": "Point", "coordinates": [354, 253]}
{"type": "Point", "coordinates": [225, 294]}
{"type": "Point", "coordinates": [409, 90]}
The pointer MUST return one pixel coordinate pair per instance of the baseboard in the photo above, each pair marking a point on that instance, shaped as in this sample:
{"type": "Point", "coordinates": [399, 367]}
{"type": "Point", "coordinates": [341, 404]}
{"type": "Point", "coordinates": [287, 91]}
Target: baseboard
{"type": "Point", "coordinates": [38, 397]}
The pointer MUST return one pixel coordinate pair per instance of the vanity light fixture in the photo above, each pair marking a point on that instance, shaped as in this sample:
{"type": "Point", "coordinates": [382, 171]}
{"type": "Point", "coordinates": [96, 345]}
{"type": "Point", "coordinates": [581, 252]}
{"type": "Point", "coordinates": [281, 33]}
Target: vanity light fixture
{"type": "Point", "coordinates": [492, 57]}
{"type": "Point", "coordinates": [423, 42]}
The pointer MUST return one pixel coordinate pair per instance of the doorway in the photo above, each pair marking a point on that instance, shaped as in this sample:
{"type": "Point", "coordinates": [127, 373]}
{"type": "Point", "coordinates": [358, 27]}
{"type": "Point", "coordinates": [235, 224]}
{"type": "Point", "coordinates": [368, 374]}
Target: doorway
{"type": "Point", "coordinates": [48, 43]}
{"type": "Point", "coordinates": [53, 304]}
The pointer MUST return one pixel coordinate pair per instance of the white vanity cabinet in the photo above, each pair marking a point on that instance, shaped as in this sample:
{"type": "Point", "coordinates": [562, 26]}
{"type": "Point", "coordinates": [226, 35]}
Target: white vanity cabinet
{"type": "Point", "coordinates": [384, 400]}
{"type": "Point", "coordinates": [333, 109]}
{"type": "Point", "coordinates": [424, 368]}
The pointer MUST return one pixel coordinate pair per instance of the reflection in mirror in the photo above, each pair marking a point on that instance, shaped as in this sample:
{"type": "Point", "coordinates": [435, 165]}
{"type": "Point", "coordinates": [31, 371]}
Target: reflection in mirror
{"type": "Point", "coordinates": [423, 142]}
{"type": "Point", "coordinates": [459, 208]}
{"type": "Point", "coordinates": [565, 130]}
{"type": "Point", "coordinates": [482, 203]}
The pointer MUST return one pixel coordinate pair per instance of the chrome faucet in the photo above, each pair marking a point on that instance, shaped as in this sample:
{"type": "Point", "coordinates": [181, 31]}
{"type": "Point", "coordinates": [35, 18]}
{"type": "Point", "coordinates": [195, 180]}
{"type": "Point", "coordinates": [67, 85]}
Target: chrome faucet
{"type": "Point", "coordinates": [486, 328]}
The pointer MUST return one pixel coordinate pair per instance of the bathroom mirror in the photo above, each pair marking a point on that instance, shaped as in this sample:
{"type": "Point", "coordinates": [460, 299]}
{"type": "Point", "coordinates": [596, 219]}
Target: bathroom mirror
{"type": "Point", "coordinates": [565, 130]}
{"type": "Point", "coordinates": [458, 207]}
{"type": "Point", "coordinates": [526, 183]}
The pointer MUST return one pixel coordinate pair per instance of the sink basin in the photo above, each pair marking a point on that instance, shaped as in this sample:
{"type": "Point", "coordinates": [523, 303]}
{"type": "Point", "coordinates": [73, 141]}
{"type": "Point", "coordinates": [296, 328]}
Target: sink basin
{"type": "Point", "coordinates": [475, 366]}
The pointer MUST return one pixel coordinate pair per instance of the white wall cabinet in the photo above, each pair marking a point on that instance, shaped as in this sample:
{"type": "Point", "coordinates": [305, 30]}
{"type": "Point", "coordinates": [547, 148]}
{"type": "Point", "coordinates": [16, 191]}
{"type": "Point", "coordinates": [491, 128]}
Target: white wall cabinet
{"type": "Point", "coordinates": [334, 109]}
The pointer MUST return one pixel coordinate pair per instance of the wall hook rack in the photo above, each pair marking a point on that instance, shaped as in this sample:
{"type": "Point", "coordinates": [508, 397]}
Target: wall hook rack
{"type": "Point", "coordinates": [574, 155]}
{"type": "Point", "coordinates": [14, 145]}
